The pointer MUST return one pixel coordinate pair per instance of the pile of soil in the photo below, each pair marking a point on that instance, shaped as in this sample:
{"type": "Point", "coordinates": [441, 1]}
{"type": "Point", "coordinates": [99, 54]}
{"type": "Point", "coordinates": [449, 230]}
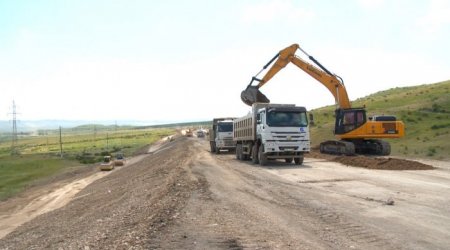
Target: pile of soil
{"type": "Point", "coordinates": [381, 163]}
{"type": "Point", "coordinates": [372, 162]}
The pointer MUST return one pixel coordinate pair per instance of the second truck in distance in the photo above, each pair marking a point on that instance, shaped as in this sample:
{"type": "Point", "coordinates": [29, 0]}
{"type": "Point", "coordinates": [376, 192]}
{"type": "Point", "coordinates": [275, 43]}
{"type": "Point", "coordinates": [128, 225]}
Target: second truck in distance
{"type": "Point", "coordinates": [272, 131]}
{"type": "Point", "coordinates": [221, 135]}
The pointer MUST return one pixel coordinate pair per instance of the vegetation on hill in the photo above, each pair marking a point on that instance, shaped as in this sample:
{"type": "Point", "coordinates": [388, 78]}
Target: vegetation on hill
{"type": "Point", "coordinates": [424, 109]}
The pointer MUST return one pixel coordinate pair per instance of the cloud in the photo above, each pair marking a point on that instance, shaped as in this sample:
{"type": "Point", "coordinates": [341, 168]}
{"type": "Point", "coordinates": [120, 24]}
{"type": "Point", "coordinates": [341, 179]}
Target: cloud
{"type": "Point", "coordinates": [275, 10]}
{"type": "Point", "coordinates": [436, 18]}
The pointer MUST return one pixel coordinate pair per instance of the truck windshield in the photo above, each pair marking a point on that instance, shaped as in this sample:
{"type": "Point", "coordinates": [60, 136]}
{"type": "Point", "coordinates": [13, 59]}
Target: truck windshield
{"type": "Point", "coordinates": [225, 127]}
{"type": "Point", "coordinates": [287, 119]}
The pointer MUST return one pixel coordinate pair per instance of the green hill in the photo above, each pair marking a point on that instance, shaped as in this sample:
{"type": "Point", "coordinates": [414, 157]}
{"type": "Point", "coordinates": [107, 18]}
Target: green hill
{"type": "Point", "coordinates": [424, 109]}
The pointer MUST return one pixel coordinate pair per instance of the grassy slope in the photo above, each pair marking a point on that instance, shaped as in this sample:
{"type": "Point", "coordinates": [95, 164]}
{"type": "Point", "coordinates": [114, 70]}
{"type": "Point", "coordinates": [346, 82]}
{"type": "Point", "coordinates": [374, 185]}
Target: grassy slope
{"type": "Point", "coordinates": [19, 171]}
{"type": "Point", "coordinates": [424, 109]}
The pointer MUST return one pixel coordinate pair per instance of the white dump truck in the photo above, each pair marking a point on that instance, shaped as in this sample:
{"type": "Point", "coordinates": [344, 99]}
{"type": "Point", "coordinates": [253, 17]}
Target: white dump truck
{"type": "Point", "coordinates": [221, 135]}
{"type": "Point", "coordinates": [272, 131]}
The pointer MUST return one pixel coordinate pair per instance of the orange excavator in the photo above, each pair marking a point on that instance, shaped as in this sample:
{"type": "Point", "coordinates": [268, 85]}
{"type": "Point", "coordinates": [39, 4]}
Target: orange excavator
{"type": "Point", "coordinates": [356, 132]}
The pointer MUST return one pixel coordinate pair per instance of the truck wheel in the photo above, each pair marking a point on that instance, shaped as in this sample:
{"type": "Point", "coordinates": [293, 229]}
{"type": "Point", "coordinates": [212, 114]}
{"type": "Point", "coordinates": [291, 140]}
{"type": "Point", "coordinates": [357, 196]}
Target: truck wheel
{"type": "Point", "coordinates": [288, 160]}
{"type": "Point", "coordinates": [238, 151]}
{"type": "Point", "coordinates": [298, 161]}
{"type": "Point", "coordinates": [255, 159]}
{"type": "Point", "coordinates": [217, 150]}
{"type": "Point", "coordinates": [262, 158]}
{"type": "Point", "coordinates": [213, 147]}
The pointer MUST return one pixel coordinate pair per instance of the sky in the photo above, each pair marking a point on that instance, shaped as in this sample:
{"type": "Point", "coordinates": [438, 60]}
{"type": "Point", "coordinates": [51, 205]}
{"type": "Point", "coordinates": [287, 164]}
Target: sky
{"type": "Point", "coordinates": [173, 60]}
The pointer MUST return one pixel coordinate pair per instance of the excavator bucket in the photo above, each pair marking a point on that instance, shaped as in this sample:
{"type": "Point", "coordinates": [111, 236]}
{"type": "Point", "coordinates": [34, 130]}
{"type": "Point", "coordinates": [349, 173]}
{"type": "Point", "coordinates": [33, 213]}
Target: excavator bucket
{"type": "Point", "coordinates": [252, 94]}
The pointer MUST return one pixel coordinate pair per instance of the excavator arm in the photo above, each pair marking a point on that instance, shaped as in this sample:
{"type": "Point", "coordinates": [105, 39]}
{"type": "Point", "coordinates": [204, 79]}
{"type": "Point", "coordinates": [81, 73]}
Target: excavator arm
{"type": "Point", "coordinates": [332, 82]}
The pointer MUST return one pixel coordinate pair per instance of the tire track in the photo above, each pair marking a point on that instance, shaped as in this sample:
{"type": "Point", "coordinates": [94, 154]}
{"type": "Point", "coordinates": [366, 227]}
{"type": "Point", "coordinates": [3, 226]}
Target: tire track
{"type": "Point", "coordinates": [332, 225]}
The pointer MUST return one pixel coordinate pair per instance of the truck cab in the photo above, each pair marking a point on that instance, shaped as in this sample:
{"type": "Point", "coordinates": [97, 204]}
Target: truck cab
{"type": "Point", "coordinates": [221, 135]}
{"type": "Point", "coordinates": [283, 131]}
{"type": "Point", "coordinates": [272, 131]}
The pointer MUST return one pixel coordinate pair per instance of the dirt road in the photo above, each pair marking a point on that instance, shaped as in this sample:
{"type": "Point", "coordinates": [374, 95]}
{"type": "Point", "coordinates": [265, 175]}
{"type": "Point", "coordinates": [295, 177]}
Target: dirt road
{"type": "Point", "coordinates": [180, 196]}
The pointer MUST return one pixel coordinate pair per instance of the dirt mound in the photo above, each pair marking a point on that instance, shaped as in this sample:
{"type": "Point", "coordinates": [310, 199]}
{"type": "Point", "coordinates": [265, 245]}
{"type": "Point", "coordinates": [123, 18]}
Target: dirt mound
{"type": "Point", "coordinates": [382, 163]}
{"type": "Point", "coordinates": [372, 162]}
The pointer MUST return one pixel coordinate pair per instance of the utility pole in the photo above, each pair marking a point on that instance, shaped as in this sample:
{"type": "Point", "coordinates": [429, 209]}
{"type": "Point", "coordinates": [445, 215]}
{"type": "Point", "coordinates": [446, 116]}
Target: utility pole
{"type": "Point", "coordinates": [60, 142]}
{"type": "Point", "coordinates": [46, 134]}
{"type": "Point", "coordinates": [14, 150]}
{"type": "Point", "coordinates": [95, 136]}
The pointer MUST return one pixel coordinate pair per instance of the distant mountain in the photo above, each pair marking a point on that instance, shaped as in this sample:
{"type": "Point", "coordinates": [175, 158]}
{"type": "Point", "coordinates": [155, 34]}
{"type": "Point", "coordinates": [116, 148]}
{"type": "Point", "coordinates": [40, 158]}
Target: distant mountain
{"type": "Point", "coordinates": [26, 126]}
{"type": "Point", "coordinates": [31, 126]}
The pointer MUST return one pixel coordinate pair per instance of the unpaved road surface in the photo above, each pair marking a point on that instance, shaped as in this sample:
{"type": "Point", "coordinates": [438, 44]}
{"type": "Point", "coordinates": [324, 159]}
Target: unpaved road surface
{"type": "Point", "coordinates": [180, 196]}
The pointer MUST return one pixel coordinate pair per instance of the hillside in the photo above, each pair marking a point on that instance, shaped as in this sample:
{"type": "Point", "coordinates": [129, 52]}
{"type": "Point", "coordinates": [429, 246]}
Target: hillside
{"type": "Point", "coordinates": [424, 109]}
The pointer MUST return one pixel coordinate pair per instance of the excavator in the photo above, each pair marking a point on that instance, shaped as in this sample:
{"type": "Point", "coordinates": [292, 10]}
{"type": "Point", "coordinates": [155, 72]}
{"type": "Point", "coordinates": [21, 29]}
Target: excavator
{"type": "Point", "coordinates": [355, 132]}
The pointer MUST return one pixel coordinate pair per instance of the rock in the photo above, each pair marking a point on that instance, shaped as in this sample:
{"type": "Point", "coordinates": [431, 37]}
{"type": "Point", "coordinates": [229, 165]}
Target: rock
{"type": "Point", "coordinates": [389, 202]}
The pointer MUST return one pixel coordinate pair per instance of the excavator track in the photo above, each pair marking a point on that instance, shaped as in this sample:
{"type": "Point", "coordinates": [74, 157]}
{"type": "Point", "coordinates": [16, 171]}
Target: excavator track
{"type": "Point", "coordinates": [373, 147]}
{"type": "Point", "coordinates": [337, 147]}
{"type": "Point", "coordinates": [385, 147]}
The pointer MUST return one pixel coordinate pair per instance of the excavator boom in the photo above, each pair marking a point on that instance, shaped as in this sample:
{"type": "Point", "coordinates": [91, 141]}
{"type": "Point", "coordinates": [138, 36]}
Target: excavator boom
{"type": "Point", "coordinates": [332, 82]}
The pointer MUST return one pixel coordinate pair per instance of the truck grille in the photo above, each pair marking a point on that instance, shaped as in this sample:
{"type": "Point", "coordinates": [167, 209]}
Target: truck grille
{"type": "Point", "coordinates": [228, 142]}
{"type": "Point", "coordinates": [288, 136]}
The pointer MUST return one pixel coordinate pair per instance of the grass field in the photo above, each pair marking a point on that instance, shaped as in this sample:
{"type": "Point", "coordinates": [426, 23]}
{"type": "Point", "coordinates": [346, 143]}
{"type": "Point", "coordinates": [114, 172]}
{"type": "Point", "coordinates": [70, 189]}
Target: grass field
{"type": "Point", "coordinates": [39, 155]}
{"type": "Point", "coordinates": [19, 171]}
{"type": "Point", "coordinates": [424, 109]}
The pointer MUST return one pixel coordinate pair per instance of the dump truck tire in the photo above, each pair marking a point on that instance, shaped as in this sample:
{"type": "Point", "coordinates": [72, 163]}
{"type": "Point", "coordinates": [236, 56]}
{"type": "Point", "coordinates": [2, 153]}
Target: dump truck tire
{"type": "Point", "coordinates": [255, 159]}
{"type": "Point", "coordinates": [262, 158]}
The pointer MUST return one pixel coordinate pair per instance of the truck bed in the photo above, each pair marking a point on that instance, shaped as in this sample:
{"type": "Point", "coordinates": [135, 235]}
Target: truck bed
{"type": "Point", "coordinates": [244, 128]}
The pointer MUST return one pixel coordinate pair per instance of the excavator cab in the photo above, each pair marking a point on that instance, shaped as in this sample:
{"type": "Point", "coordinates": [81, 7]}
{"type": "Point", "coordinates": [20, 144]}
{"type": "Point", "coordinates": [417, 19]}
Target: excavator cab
{"type": "Point", "coordinates": [349, 119]}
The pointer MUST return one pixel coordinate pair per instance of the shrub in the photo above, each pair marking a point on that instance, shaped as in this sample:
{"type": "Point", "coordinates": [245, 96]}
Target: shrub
{"type": "Point", "coordinates": [116, 149]}
{"type": "Point", "coordinates": [435, 108]}
{"type": "Point", "coordinates": [105, 153]}
{"type": "Point", "coordinates": [440, 126]}
{"type": "Point", "coordinates": [431, 151]}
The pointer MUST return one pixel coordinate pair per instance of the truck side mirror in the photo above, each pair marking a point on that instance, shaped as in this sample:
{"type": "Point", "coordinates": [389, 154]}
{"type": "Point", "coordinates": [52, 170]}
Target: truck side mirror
{"type": "Point", "coordinates": [258, 118]}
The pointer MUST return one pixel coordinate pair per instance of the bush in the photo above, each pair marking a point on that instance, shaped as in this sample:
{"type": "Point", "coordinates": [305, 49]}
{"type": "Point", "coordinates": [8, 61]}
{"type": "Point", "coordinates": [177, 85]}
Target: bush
{"type": "Point", "coordinates": [440, 126]}
{"type": "Point", "coordinates": [435, 107]}
{"type": "Point", "coordinates": [431, 151]}
{"type": "Point", "coordinates": [86, 158]}
{"type": "Point", "coordinates": [116, 149]}
{"type": "Point", "coordinates": [105, 153]}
